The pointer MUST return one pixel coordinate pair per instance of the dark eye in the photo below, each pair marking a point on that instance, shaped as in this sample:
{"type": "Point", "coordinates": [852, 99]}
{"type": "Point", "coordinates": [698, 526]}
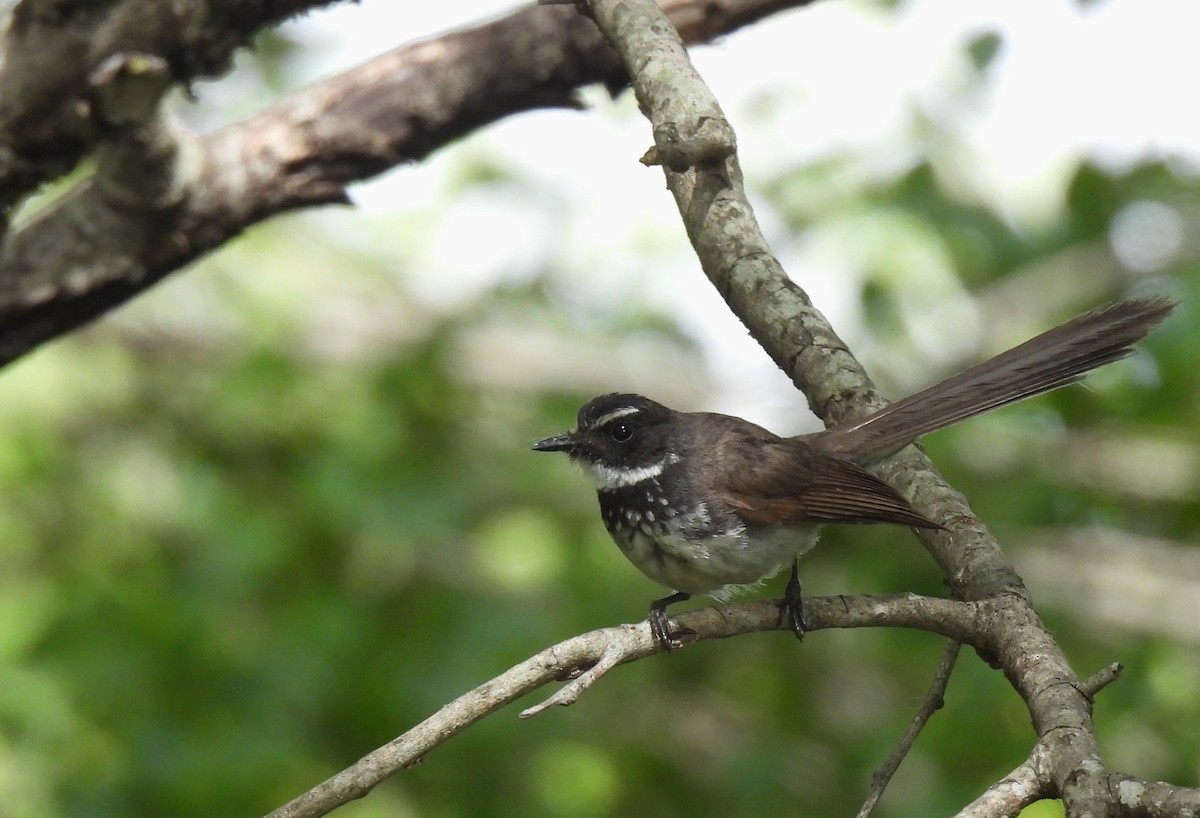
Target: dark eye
{"type": "Point", "coordinates": [620, 432]}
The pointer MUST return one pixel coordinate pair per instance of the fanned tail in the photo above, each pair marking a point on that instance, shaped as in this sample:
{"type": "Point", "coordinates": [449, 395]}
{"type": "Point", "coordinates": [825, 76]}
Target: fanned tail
{"type": "Point", "coordinates": [1055, 358]}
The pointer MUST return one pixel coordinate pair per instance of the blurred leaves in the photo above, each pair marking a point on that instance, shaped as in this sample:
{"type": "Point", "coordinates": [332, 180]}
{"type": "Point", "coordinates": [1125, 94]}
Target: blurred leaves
{"type": "Point", "coordinates": [284, 508]}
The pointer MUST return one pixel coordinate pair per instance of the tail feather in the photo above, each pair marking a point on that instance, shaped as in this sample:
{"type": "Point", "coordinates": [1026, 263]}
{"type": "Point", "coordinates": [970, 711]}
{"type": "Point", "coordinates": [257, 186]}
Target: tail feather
{"type": "Point", "coordinates": [1055, 358]}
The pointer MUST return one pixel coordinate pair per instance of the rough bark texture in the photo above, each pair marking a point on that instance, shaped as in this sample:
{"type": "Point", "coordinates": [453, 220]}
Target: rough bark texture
{"type": "Point", "coordinates": [49, 118]}
{"type": "Point", "coordinates": [161, 196]}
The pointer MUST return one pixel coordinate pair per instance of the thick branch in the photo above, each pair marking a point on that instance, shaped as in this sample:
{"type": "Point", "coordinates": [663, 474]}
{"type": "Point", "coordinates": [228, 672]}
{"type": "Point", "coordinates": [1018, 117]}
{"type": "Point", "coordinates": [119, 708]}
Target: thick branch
{"type": "Point", "coordinates": [48, 115]}
{"type": "Point", "coordinates": [87, 253]}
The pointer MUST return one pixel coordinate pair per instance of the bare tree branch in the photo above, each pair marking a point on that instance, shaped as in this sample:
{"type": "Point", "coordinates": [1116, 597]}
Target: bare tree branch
{"type": "Point", "coordinates": [697, 147]}
{"type": "Point", "coordinates": [1030, 781]}
{"type": "Point", "coordinates": [48, 114]}
{"type": "Point", "coordinates": [1149, 799]}
{"type": "Point", "coordinates": [89, 253]}
{"type": "Point", "coordinates": [574, 659]}
{"type": "Point", "coordinates": [1102, 792]}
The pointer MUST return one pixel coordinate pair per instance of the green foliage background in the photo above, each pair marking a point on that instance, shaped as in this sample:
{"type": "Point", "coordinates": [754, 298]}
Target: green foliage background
{"type": "Point", "coordinates": [243, 543]}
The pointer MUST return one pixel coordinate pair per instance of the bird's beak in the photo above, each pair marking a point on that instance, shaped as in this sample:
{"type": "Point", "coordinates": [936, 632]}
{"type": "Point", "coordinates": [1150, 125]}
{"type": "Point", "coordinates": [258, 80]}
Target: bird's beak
{"type": "Point", "coordinates": [559, 443]}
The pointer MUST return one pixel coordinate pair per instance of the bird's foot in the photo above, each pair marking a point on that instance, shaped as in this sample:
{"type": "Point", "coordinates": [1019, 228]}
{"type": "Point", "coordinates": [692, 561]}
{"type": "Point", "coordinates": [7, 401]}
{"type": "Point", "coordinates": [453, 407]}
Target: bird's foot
{"type": "Point", "coordinates": [791, 607]}
{"type": "Point", "coordinates": [660, 623]}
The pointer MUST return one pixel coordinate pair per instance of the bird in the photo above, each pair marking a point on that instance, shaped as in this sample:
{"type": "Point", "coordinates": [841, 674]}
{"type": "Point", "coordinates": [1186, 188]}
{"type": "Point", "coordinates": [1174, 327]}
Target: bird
{"type": "Point", "coordinates": [712, 504]}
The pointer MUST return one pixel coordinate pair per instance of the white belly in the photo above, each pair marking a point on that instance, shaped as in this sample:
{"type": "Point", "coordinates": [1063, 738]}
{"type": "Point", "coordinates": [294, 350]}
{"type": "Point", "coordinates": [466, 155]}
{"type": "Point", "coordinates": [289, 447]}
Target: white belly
{"type": "Point", "coordinates": [718, 566]}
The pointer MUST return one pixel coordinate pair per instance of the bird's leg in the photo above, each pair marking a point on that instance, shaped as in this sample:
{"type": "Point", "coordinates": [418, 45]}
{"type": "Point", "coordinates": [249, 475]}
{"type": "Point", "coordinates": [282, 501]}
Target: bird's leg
{"type": "Point", "coordinates": [660, 624]}
{"type": "Point", "coordinates": [791, 607]}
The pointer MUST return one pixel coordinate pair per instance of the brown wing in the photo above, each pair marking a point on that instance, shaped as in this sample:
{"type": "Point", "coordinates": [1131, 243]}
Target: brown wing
{"type": "Point", "coordinates": [771, 482]}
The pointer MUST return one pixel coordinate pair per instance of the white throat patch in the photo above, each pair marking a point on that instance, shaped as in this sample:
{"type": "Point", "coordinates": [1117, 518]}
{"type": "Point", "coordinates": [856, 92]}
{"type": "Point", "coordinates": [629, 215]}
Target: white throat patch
{"type": "Point", "coordinates": [607, 478]}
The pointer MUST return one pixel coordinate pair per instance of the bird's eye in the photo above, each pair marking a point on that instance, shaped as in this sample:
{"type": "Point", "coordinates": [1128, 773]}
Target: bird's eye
{"type": "Point", "coordinates": [620, 432]}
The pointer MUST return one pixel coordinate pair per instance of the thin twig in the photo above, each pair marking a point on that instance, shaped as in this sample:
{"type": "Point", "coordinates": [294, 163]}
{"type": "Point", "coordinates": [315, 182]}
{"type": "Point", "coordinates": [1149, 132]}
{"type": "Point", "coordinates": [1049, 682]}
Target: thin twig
{"type": "Point", "coordinates": [934, 701]}
{"type": "Point", "coordinates": [1101, 679]}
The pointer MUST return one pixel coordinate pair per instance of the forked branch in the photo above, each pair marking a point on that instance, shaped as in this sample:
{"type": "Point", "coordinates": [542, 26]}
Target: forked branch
{"type": "Point", "coordinates": [707, 185]}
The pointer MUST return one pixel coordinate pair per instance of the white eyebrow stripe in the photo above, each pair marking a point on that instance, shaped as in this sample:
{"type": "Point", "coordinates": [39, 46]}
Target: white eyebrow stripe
{"type": "Point", "coordinates": [624, 411]}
